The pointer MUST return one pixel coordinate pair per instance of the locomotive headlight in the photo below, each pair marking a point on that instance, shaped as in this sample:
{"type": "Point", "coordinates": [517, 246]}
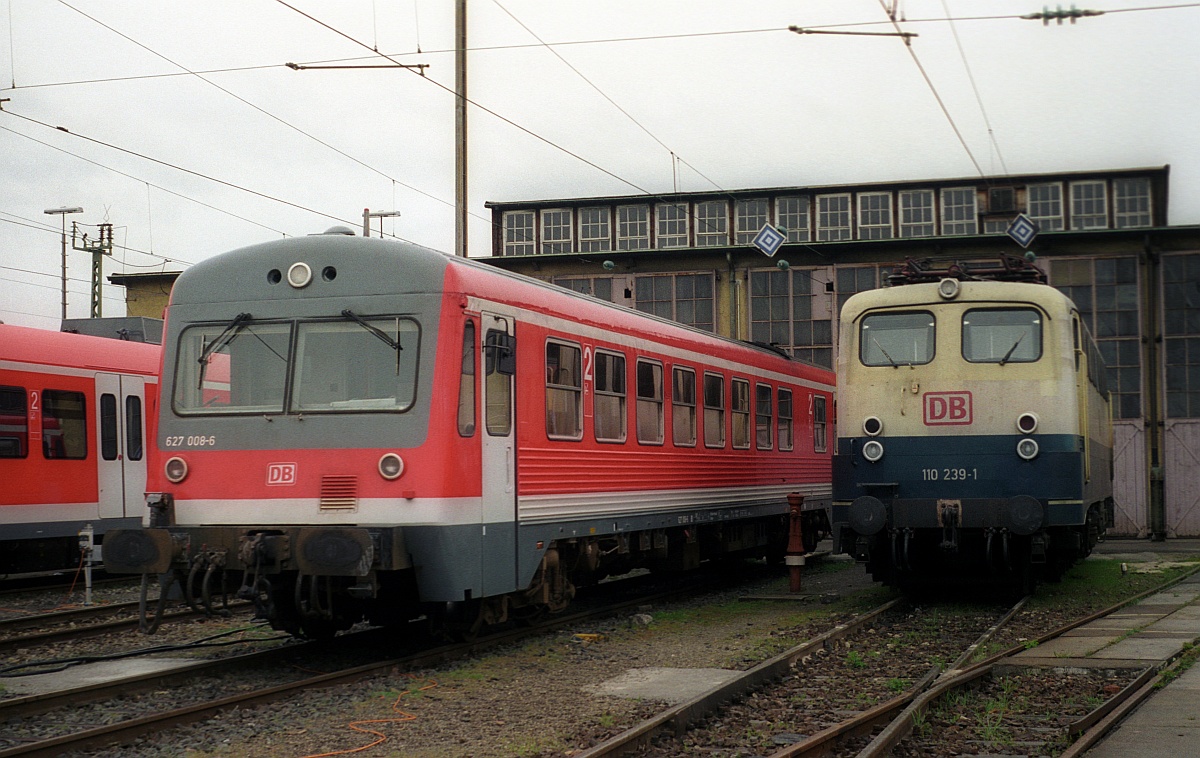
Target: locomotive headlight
{"type": "Point", "coordinates": [948, 289]}
{"type": "Point", "coordinates": [873, 426]}
{"type": "Point", "coordinates": [1027, 449]}
{"type": "Point", "coordinates": [176, 470]}
{"type": "Point", "coordinates": [299, 275]}
{"type": "Point", "coordinates": [1027, 423]}
{"type": "Point", "coordinates": [873, 450]}
{"type": "Point", "coordinates": [391, 466]}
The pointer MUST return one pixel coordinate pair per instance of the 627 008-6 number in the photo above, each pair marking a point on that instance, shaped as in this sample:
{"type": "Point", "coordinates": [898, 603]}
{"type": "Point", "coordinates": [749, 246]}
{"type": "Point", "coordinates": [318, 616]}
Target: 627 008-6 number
{"type": "Point", "coordinates": [191, 440]}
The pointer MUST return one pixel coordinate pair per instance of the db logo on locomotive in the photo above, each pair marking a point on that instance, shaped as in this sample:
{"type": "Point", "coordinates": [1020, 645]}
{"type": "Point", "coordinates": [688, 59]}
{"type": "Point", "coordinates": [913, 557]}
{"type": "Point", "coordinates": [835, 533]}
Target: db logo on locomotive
{"type": "Point", "coordinates": [947, 408]}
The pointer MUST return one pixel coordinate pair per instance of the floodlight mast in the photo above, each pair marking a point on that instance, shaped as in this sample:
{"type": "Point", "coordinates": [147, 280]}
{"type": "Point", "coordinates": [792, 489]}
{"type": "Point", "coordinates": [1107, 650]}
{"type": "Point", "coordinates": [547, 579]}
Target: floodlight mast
{"type": "Point", "coordinates": [63, 212]}
{"type": "Point", "coordinates": [368, 214]}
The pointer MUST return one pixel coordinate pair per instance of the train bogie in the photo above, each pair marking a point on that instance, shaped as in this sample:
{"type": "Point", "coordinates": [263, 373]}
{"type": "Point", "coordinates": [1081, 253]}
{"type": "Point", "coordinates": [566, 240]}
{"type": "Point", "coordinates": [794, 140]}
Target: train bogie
{"type": "Point", "coordinates": [364, 429]}
{"type": "Point", "coordinates": [975, 443]}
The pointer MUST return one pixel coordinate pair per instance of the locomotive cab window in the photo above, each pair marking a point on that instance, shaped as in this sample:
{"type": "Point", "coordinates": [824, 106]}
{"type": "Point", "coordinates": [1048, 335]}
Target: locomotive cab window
{"type": "Point", "coordinates": [239, 367]}
{"type": "Point", "coordinates": [897, 339]}
{"type": "Point", "coordinates": [1002, 335]}
{"type": "Point", "coordinates": [359, 365]}
{"type": "Point", "coordinates": [466, 383]}
{"type": "Point", "coordinates": [564, 391]}
{"type": "Point", "coordinates": [14, 423]}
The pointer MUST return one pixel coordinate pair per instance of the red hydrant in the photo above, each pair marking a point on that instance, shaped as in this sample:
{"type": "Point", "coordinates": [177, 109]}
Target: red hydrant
{"type": "Point", "coordinates": [795, 548]}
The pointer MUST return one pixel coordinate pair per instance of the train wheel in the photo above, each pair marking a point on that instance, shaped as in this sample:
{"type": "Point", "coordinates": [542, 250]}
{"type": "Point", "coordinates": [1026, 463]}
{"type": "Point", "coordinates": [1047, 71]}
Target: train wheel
{"type": "Point", "coordinates": [529, 615]}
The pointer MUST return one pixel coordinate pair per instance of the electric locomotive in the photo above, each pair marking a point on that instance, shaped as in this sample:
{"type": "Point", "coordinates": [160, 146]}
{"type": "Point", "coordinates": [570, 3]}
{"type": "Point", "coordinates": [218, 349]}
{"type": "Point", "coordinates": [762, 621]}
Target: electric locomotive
{"type": "Point", "coordinates": [73, 425]}
{"type": "Point", "coordinates": [359, 429]}
{"type": "Point", "coordinates": [975, 443]}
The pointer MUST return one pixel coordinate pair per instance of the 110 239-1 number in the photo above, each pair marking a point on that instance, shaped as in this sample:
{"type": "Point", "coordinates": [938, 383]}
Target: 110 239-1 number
{"type": "Point", "coordinates": [949, 474]}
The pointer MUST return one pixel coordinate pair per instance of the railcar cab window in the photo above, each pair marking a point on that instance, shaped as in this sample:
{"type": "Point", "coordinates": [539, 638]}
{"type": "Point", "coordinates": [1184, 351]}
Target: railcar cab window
{"type": "Point", "coordinates": [1002, 335]}
{"type": "Point", "coordinates": [238, 367]}
{"type": "Point", "coordinates": [358, 365]}
{"type": "Point", "coordinates": [897, 339]}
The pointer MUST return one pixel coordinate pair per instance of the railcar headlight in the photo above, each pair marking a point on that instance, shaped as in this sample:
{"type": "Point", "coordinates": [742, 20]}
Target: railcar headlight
{"type": "Point", "coordinates": [1027, 449]}
{"type": "Point", "coordinates": [391, 466]}
{"type": "Point", "coordinates": [299, 275]}
{"type": "Point", "coordinates": [176, 470]}
{"type": "Point", "coordinates": [948, 289]}
{"type": "Point", "coordinates": [1027, 423]}
{"type": "Point", "coordinates": [873, 450]}
{"type": "Point", "coordinates": [873, 426]}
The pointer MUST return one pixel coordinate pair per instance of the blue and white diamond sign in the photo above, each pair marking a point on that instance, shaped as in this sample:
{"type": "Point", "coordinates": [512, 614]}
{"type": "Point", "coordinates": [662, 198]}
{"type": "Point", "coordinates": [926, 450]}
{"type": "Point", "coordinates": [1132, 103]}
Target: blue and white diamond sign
{"type": "Point", "coordinates": [769, 239]}
{"type": "Point", "coordinates": [1023, 230]}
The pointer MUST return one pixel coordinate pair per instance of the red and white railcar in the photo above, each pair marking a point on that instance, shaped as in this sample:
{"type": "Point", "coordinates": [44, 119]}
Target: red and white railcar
{"type": "Point", "coordinates": [73, 415]}
{"type": "Point", "coordinates": [361, 428]}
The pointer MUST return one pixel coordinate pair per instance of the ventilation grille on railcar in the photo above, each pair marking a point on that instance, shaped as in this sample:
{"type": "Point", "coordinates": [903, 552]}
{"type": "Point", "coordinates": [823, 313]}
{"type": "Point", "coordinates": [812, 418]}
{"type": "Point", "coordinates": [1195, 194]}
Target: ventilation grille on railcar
{"type": "Point", "coordinates": [339, 493]}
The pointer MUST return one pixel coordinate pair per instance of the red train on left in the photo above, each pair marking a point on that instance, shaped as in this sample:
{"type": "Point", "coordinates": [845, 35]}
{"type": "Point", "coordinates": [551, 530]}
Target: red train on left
{"type": "Point", "coordinates": [74, 416]}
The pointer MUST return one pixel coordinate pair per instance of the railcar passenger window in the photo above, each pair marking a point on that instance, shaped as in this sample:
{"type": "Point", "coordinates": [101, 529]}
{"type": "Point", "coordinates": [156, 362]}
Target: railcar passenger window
{"type": "Point", "coordinates": [762, 416]}
{"type": "Point", "coordinates": [564, 391]}
{"type": "Point", "coordinates": [649, 402]}
{"type": "Point", "coordinates": [897, 339]}
{"type": "Point", "coordinates": [108, 427]}
{"type": "Point", "coordinates": [714, 410]}
{"type": "Point", "coordinates": [1002, 335]}
{"type": "Point", "coordinates": [609, 398]}
{"type": "Point", "coordinates": [819, 438]}
{"type": "Point", "coordinates": [14, 423]}
{"type": "Point", "coordinates": [740, 407]}
{"type": "Point", "coordinates": [244, 368]}
{"type": "Point", "coordinates": [786, 438]}
{"type": "Point", "coordinates": [64, 425]}
{"type": "Point", "coordinates": [683, 407]}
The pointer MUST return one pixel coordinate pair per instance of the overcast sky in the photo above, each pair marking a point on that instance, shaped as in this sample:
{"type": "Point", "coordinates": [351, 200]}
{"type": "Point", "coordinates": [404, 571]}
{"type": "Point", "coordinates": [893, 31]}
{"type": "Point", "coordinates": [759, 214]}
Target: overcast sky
{"type": "Point", "coordinates": [179, 123]}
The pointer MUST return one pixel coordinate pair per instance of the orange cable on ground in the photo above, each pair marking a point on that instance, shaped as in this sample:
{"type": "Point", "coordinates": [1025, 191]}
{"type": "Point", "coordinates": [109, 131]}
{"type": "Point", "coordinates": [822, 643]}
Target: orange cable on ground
{"type": "Point", "coordinates": [358, 726]}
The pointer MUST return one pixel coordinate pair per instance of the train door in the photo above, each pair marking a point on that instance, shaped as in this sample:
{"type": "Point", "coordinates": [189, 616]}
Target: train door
{"type": "Point", "coordinates": [121, 433]}
{"type": "Point", "coordinates": [499, 454]}
{"type": "Point", "coordinates": [1081, 392]}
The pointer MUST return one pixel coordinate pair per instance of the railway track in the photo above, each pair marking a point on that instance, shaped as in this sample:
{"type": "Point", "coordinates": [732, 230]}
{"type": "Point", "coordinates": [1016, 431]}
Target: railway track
{"type": "Point", "coordinates": [81, 623]}
{"type": "Point", "coordinates": [294, 662]}
{"type": "Point", "coordinates": [887, 728]}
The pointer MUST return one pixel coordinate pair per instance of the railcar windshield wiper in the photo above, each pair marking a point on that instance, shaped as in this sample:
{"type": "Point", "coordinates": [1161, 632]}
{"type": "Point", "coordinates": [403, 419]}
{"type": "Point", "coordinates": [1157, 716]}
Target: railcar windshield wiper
{"type": "Point", "coordinates": [1012, 349]}
{"type": "Point", "coordinates": [224, 338]}
{"type": "Point", "coordinates": [392, 343]}
{"type": "Point", "coordinates": [382, 335]}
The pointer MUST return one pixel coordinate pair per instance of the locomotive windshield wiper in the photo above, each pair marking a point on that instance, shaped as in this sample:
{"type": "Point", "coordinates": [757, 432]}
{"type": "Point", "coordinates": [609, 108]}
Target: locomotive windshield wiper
{"type": "Point", "coordinates": [1011, 349]}
{"type": "Point", "coordinates": [224, 338]}
{"type": "Point", "coordinates": [885, 353]}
